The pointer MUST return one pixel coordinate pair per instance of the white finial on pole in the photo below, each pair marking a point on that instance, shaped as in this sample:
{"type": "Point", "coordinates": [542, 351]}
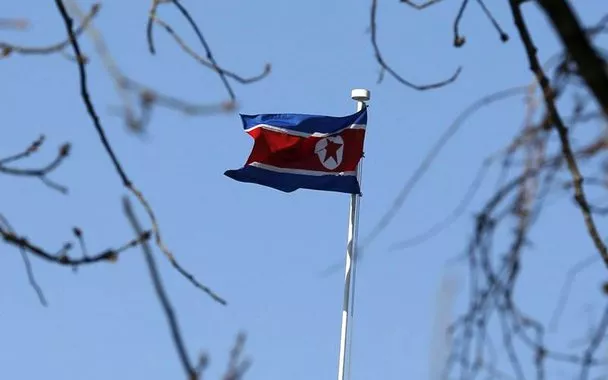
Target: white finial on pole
{"type": "Point", "coordinates": [361, 96]}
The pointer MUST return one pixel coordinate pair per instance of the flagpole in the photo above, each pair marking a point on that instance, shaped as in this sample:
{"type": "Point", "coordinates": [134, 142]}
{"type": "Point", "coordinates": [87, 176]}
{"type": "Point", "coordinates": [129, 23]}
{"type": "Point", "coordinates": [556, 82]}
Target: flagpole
{"type": "Point", "coordinates": [360, 96]}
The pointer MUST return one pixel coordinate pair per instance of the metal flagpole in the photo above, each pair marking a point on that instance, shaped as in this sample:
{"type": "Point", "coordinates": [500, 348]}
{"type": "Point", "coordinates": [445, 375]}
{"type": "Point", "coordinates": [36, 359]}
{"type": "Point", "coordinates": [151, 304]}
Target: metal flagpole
{"type": "Point", "coordinates": [361, 96]}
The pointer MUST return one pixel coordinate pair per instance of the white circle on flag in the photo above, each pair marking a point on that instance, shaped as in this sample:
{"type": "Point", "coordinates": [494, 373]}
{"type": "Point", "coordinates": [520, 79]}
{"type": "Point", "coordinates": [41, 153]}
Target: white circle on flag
{"type": "Point", "coordinates": [330, 151]}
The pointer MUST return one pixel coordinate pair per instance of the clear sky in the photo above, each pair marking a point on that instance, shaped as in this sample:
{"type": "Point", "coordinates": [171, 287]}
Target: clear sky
{"type": "Point", "coordinates": [263, 250]}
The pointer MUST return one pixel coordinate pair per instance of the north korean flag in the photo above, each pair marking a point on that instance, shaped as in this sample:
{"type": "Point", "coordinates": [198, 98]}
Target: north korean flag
{"type": "Point", "coordinates": [300, 151]}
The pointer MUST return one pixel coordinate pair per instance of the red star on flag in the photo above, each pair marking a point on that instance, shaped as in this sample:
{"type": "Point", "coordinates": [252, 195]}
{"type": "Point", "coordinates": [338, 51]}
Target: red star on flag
{"type": "Point", "coordinates": [331, 150]}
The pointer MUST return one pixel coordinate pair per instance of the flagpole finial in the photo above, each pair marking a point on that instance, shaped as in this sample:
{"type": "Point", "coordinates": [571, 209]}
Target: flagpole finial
{"type": "Point", "coordinates": [360, 94]}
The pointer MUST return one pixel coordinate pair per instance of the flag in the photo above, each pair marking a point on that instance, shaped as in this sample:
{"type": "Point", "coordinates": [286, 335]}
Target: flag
{"type": "Point", "coordinates": [300, 151]}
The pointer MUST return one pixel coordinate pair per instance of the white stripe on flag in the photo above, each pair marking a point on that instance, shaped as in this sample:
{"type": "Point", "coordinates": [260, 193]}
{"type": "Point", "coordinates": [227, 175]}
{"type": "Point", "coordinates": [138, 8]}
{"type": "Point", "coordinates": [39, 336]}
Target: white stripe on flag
{"type": "Point", "coordinates": [300, 171]}
{"type": "Point", "coordinates": [302, 134]}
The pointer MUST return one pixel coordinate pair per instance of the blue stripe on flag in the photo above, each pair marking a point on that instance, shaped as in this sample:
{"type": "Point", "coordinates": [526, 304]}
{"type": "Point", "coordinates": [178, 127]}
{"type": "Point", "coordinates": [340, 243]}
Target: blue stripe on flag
{"type": "Point", "coordinates": [289, 182]}
{"type": "Point", "coordinates": [305, 123]}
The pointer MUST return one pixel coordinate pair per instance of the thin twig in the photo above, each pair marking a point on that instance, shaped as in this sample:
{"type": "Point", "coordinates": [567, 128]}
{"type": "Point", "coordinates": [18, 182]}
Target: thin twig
{"type": "Point", "coordinates": [237, 367]}
{"type": "Point", "coordinates": [7, 49]}
{"type": "Point", "coordinates": [28, 265]}
{"type": "Point", "coordinates": [504, 37]}
{"type": "Point", "coordinates": [422, 5]}
{"type": "Point", "coordinates": [207, 48]}
{"type": "Point", "coordinates": [393, 73]}
{"type": "Point", "coordinates": [597, 338]}
{"type": "Point", "coordinates": [162, 295]}
{"type": "Point", "coordinates": [565, 291]}
{"type": "Point", "coordinates": [438, 227]}
{"type": "Point", "coordinates": [150, 25]}
{"type": "Point", "coordinates": [64, 151]}
{"type": "Point", "coordinates": [40, 173]}
{"type": "Point", "coordinates": [458, 39]}
{"type": "Point", "coordinates": [207, 63]}
{"type": "Point", "coordinates": [61, 258]}
{"type": "Point", "coordinates": [32, 148]}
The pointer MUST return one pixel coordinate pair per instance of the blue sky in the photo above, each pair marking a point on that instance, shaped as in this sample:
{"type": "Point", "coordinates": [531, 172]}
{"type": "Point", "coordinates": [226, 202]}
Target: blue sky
{"type": "Point", "coordinates": [264, 251]}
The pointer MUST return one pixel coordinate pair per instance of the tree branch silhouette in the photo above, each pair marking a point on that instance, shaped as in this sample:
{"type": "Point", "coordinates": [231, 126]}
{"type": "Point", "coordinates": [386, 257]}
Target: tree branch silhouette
{"type": "Point", "coordinates": [7, 49]}
{"type": "Point", "coordinates": [127, 183]}
{"type": "Point", "coordinates": [556, 119]}
{"type": "Point", "coordinates": [4, 223]}
{"type": "Point", "coordinates": [7, 164]}
{"type": "Point", "coordinates": [188, 50]}
{"type": "Point", "coordinates": [209, 61]}
{"type": "Point", "coordinates": [15, 165]}
{"type": "Point", "coordinates": [389, 69]}
{"type": "Point", "coordinates": [236, 367]}
{"type": "Point", "coordinates": [590, 65]}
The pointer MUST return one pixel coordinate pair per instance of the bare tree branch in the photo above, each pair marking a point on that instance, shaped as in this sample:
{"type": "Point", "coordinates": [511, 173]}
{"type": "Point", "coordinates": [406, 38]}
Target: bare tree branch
{"type": "Point", "coordinates": [565, 291]}
{"type": "Point", "coordinates": [387, 68]}
{"type": "Point", "coordinates": [61, 257]}
{"type": "Point", "coordinates": [26, 262]}
{"type": "Point", "coordinates": [7, 49]}
{"type": "Point", "coordinates": [597, 338]}
{"type": "Point", "coordinates": [162, 295]}
{"type": "Point", "coordinates": [421, 6]}
{"type": "Point", "coordinates": [40, 173]}
{"type": "Point", "coordinates": [591, 67]}
{"type": "Point", "coordinates": [207, 63]}
{"type": "Point", "coordinates": [549, 96]}
{"type": "Point", "coordinates": [458, 39]}
{"type": "Point", "coordinates": [203, 42]}
{"type": "Point", "coordinates": [147, 98]}
{"type": "Point", "coordinates": [504, 37]}
{"type": "Point", "coordinates": [150, 24]}
{"type": "Point", "coordinates": [236, 367]}
{"type": "Point", "coordinates": [437, 228]}
{"type": "Point", "coordinates": [84, 92]}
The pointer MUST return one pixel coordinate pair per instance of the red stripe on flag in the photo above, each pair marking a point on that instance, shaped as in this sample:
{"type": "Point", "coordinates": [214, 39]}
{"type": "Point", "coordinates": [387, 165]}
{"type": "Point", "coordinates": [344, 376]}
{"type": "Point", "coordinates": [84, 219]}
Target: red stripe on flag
{"type": "Point", "coordinates": [336, 153]}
